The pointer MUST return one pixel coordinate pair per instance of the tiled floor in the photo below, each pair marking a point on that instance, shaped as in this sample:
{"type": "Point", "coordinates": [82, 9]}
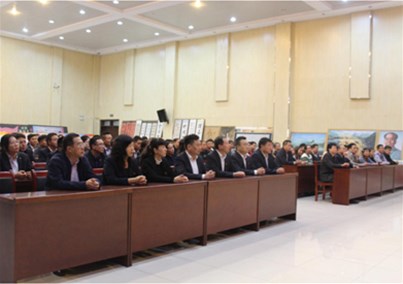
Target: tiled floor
{"type": "Point", "coordinates": [328, 243]}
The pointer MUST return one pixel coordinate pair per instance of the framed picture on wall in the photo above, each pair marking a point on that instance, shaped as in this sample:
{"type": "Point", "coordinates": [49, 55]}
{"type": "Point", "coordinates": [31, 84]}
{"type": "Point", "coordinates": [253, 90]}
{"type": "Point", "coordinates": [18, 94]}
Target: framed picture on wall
{"type": "Point", "coordinates": [148, 129]}
{"type": "Point", "coordinates": [200, 128]}
{"type": "Point", "coordinates": [137, 129]}
{"type": "Point", "coordinates": [184, 128]}
{"type": "Point", "coordinates": [153, 133]}
{"type": "Point", "coordinates": [160, 128]}
{"type": "Point", "coordinates": [255, 137]}
{"type": "Point", "coordinates": [177, 128]}
{"type": "Point", "coordinates": [128, 128]}
{"type": "Point", "coordinates": [143, 129]}
{"type": "Point", "coordinates": [298, 138]}
{"type": "Point", "coordinates": [211, 132]}
{"type": "Point", "coordinates": [363, 138]}
{"type": "Point", "coordinates": [192, 126]}
{"type": "Point", "coordinates": [394, 139]}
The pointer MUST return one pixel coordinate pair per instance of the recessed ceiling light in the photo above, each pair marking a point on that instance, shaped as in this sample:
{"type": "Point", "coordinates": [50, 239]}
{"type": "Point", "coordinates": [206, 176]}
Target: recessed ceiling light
{"type": "Point", "coordinates": [87, 31]}
{"type": "Point", "coordinates": [115, 2]}
{"type": "Point", "coordinates": [156, 34]}
{"type": "Point", "coordinates": [197, 4]}
{"type": "Point", "coordinates": [82, 12]}
{"type": "Point", "coordinates": [13, 11]}
{"type": "Point", "coordinates": [25, 30]}
{"type": "Point", "coordinates": [233, 19]}
{"type": "Point", "coordinates": [119, 23]}
{"type": "Point", "coordinates": [191, 27]}
{"type": "Point", "coordinates": [61, 37]}
{"type": "Point", "coordinates": [125, 40]}
{"type": "Point", "coordinates": [51, 22]}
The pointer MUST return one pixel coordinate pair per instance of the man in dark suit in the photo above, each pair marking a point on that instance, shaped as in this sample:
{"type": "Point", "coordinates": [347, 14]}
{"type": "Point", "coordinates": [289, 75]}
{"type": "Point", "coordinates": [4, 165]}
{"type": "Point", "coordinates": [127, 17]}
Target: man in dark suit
{"type": "Point", "coordinates": [239, 160]}
{"type": "Point", "coordinates": [387, 153]}
{"type": "Point", "coordinates": [217, 160]}
{"type": "Point", "coordinates": [44, 154]}
{"type": "Point", "coordinates": [264, 158]}
{"type": "Point", "coordinates": [284, 155]}
{"type": "Point", "coordinates": [69, 169]}
{"type": "Point", "coordinates": [190, 162]}
{"type": "Point", "coordinates": [23, 145]}
{"type": "Point", "coordinates": [340, 156]}
{"type": "Point", "coordinates": [329, 162]}
{"type": "Point", "coordinates": [315, 153]}
{"type": "Point", "coordinates": [95, 155]}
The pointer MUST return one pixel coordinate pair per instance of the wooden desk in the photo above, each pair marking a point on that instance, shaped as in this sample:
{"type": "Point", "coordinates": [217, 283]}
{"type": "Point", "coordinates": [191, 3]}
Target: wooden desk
{"type": "Point", "coordinates": [231, 203]}
{"type": "Point", "coordinates": [306, 178]}
{"type": "Point", "coordinates": [374, 180]}
{"type": "Point", "coordinates": [43, 232]}
{"type": "Point", "coordinates": [167, 213]}
{"type": "Point", "coordinates": [388, 173]}
{"type": "Point", "coordinates": [398, 176]}
{"type": "Point", "coordinates": [278, 196]}
{"type": "Point", "coordinates": [348, 184]}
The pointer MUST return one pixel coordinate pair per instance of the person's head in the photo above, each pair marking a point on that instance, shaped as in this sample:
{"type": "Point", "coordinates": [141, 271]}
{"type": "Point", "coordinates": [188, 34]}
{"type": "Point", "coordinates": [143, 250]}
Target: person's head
{"type": "Point", "coordinates": [176, 142]}
{"type": "Point", "coordinates": [371, 153]}
{"type": "Point", "coordinates": [242, 145]}
{"type": "Point", "coordinates": [388, 149]}
{"type": "Point", "coordinates": [352, 147]}
{"type": "Point", "coordinates": [122, 149]}
{"type": "Point", "coordinates": [170, 148]}
{"type": "Point", "coordinates": [252, 146]}
{"type": "Point", "coordinates": [210, 144]}
{"type": "Point", "coordinates": [390, 139]}
{"type": "Point", "coordinates": [222, 145]}
{"type": "Point", "coordinates": [21, 140]}
{"type": "Point", "coordinates": [107, 137]}
{"type": "Point", "coordinates": [287, 145]}
{"type": "Point", "coordinates": [86, 141]}
{"type": "Point", "coordinates": [331, 148]}
{"type": "Point", "coordinates": [60, 143]}
{"type": "Point", "coordinates": [51, 140]}
{"type": "Point", "coordinates": [380, 148]}
{"type": "Point", "coordinates": [265, 145]}
{"type": "Point", "coordinates": [365, 152]}
{"type": "Point", "coordinates": [33, 139]}
{"type": "Point", "coordinates": [9, 144]}
{"type": "Point", "coordinates": [341, 149]}
{"type": "Point", "coordinates": [277, 146]}
{"type": "Point", "coordinates": [73, 146]}
{"type": "Point", "coordinates": [192, 144]}
{"type": "Point", "coordinates": [42, 140]}
{"type": "Point", "coordinates": [97, 144]}
{"type": "Point", "coordinates": [308, 150]}
{"type": "Point", "coordinates": [231, 143]}
{"type": "Point", "coordinates": [300, 150]}
{"type": "Point", "coordinates": [315, 148]}
{"type": "Point", "coordinates": [203, 145]}
{"type": "Point", "coordinates": [137, 143]}
{"type": "Point", "coordinates": [156, 148]}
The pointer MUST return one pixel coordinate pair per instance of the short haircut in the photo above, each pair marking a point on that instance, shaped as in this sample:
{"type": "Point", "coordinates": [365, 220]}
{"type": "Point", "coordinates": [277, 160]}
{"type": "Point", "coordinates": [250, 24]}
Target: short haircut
{"type": "Point", "coordinates": [365, 149]}
{"type": "Point", "coordinates": [18, 135]}
{"type": "Point", "coordinates": [42, 137]}
{"type": "Point", "coordinates": [49, 136]}
{"type": "Point", "coordinates": [391, 133]}
{"type": "Point", "coordinates": [209, 140]}
{"type": "Point", "coordinates": [106, 133]}
{"type": "Point", "coordinates": [263, 141]}
{"type": "Point", "coordinates": [190, 139]}
{"type": "Point", "coordinates": [69, 140]}
{"type": "Point", "coordinates": [218, 141]}
{"type": "Point", "coordinates": [238, 140]}
{"type": "Point", "coordinates": [85, 138]}
{"type": "Point", "coordinates": [175, 139]}
{"type": "Point", "coordinates": [136, 138]}
{"type": "Point", "coordinates": [94, 139]}
{"type": "Point", "coordinates": [252, 143]}
{"type": "Point", "coordinates": [379, 146]}
{"type": "Point", "coordinates": [330, 146]}
{"type": "Point", "coordinates": [351, 145]}
{"type": "Point", "coordinates": [314, 145]}
{"type": "Point", "coordinates": [32, 135]}
{"type": "Point", "coordinates": [388, 147]}
{"type": "Point", "coordinates": [285, 142]}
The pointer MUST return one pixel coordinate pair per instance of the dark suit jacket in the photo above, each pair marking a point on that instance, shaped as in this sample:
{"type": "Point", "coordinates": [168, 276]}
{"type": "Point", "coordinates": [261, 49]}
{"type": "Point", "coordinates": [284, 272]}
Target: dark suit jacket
{"type": "Point", "coordinates": [43, 155]}
{"type": "Point", "coordinates": [284, 158]}
{"type": "Point", "coordinates": [24, 164]}
{"type": "Point", "coordinates": [315, 158]}
{"type": "Point", "coordinates": [258, 160]}
{"type": "Point", "coordinates": [340, 159]}
{"type": "Point", "coordinates": [157, 173]}
{"type": "Point", "coordinates": [183, 166]}
{"type": "Point", "coordinates": [113, 174]}
{"type": "Point", "coordinates": [236, 164]}
{"type": "Point", "coordinates": [389, 159]}
{"type": "Point", "coordinates": [95, 162]}
{"type": "Point", "coordinates": [59, 173]}
{"type": "Point", "coordinates": [30, 154]}
{"type": "Point", "coordinates": [213, 163]}
{"type": "Point", "coordinates": [327, 165]}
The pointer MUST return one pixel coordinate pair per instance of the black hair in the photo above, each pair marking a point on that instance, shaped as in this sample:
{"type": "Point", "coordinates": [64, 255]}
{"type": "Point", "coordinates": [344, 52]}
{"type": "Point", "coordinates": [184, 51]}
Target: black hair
{"type": "Point", "coordinates": [5, 142]}
{"type": "Point", "coordinates": [106, 133]}
{"type": "Point", "coordinates": [387, 147]}
{"type": "Point", "coordinates": [238, 140]}
{"type": "Point", "coordinates": [154, 144]}
{"type": "Point", "coordinates": [314, 145]}
{"type": "Point", "coordinates": [190, 139]}
{"type": "Point", "coordinates": [285, 142]}
{"type": "Point", "coordinates": [85, 138]}
{"type": "Point", "coordinates": [18, 135]}
{"type": "Point", "coordinates": [42, 137]}
{"type": "Point", "coordinates": [94, 139]}
{"type": "Point", "coordinates": [218, 141]}
{"type": "Point", "coordinates": [330, 146]}
{"type": "Point", "coordinates": [379, 146]}
{"type": "Point", "coordinates": [263, 141]}
{"type": "Point", "coordinates": [351, 145]}
{"type": "Point", "coordinates": [68, 140]}
{"type": "Point", "coordinates": [118, 152]}
{"type": "Point", "coordinates": [32, 135]}
{"type": "Point", "coordinates": [136, 138]}
{"type": "Point", "coordinates": [49, 136]}
{"type": "Point", "coordinates": [365, 149]}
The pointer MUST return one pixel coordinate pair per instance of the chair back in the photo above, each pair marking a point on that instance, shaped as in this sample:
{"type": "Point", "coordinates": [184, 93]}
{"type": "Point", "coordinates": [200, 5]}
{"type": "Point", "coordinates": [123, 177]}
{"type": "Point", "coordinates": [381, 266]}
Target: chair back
{"type": "Point", "coordinates": [39, 166]}
{"type": "Point", "coordinates": [7, 182]}
{"type": "Point", "coordinates": [99, 172]}
{"type": "Point", "coordinates": [39, 180]}
{"type": "Point", "coordinates": [316, 165]}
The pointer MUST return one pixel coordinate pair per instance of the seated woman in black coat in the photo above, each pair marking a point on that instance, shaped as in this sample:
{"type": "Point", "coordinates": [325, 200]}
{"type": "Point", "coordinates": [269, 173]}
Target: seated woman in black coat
{"type": "Point", "coordinates": [120, 168]}
{"type": "Point", "coordinates": [155, 166]}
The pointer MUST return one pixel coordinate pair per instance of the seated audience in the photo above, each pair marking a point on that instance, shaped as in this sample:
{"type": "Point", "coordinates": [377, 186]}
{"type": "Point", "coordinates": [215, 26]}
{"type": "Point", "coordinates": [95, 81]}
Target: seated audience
{"type": "Point", "coordinates": [277, 148]}
{"type": "Point", "coordinates": [218, 162]}
{"type": "Point", "coordinates": [86, 141]}
{"type": "Point", "coordinates": [307, 157]}
{"type": "Point", "coordinates": [204, 150]}
{"type": "Point", "coordinates": [24, 146]}
{"type": "Point", "coordinates": [366, 158]}
{"type": "Point", "coordinates": [33, 141]}
{"type": "Point", "coordinates": [351, 153]}
{"type": "Point", "coordinates": [137, 147]}
{"type": "Point", "coordinates": [69, 170]}
{"type": "Point", "coordinates": [315, 153]}
{"type": "Point", "coordinates": [176, 143]}
{"type": "Point", "coordinates": [155, 166]}
{"type": "Point", "coordinates": [170, 157]}
{"type": "Point", "coordinates": [107, 137]}
{"type": "Point", "coordinates": [120, 168]}
{"type": "Point", "coordinates": [329, 162]}
{"type": "Point", "coordinates": [285, 155]}
{"type": "Point", "coordinates": [96, 154]}
{"type": "Point", "coordinates": [379, 155]}
{"type": "Point", "coordinates": [44, 154]}
{"type": "Point", "coordinates": [11, 159]}
{"type": "Point", "coordinates": [239, 160]}
{"type": "Point", "coordinates": [252, 148]}
{"type": "Point", "coordinates": [190, 163]}
{"type": "Point", "coordinates": [299, 151]}
{"type": "Point", "coordinates": [387, 153]}
{"type": "Point", "coordinates": [341, 155]}
{"type": "Point", "coordinates": [264, 158]}
{"type": "Point", "coordinates": [372, 155]}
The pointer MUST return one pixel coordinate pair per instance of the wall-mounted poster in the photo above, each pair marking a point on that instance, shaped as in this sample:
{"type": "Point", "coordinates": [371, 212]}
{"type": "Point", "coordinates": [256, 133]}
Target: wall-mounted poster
{"type": "Point", "coordinates": [192, 126]}
{"type": "Point", "coordinates": [200, 128]}
{"type": "Point", "coordinates": [211, 132]}
{"type": "Point", "coordinates": [137, 129]}
{"type": "Point", "coordinates": [148, 129]}
{"type": "Point", "coordinates": [298, 138]}
{"type": "Point", "coordinates": [363, 138]}
{"type": "Point", "coordinates": [143, 128]}
{"type": "Point", "coordinates": [160, 128]}
{"type": "Point", "coordinates": [49, 129]}
{"type": "Point", "coordinates": [255, 137]}
{"type": "Point", "coordinates": [393, 139]}
{"type": "Point", "coordinates": [8, 128]}
{"type": "Point", "coordinates": [177, 128]}
{"type": "Point", "coordinates": [184, 128]}
{"type": "Point", "coordinates": [153, 133]}
{"type": "Point", "coordinates": [128, 128]}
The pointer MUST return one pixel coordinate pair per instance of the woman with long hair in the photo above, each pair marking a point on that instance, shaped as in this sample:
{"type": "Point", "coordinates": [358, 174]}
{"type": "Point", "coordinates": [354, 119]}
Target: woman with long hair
{"type": "Point", "coordinates": [12, 159]}
{"type": "Point", "coordinates": [155, 166]}
{"type": "Point", "coordinates": [120, 168]}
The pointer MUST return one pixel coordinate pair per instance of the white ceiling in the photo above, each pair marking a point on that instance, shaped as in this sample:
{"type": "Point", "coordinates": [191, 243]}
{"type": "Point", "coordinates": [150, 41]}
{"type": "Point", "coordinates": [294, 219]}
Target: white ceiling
{"type": "Point", "coordinates": [146, 23]}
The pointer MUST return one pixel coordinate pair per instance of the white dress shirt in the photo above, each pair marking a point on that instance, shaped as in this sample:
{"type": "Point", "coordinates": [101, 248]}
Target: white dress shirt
{"type": "Point", "coordinates": [74, 173]}
{"type": "Point", "coordinates": [222, 158]}
{"type": "Point", "coordinates": [193, 163]}
{"type": "Point", "coordinates": [13, 163]}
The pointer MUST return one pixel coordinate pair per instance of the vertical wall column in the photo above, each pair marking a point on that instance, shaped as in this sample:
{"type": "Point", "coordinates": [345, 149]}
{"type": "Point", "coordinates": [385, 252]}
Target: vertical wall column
{"type": "Point", "coordinates": [129, 77]}
{"type": "Point", "coordinates": [96, 75]}
{"type": "Point", "coordinates": [281, 106]}
{"type": "Point", "coordinates": [56, 87]}
{"type": "Point", "coordinates": [222, 67]}
{"type": "Point", "coordinates": [171, 59]}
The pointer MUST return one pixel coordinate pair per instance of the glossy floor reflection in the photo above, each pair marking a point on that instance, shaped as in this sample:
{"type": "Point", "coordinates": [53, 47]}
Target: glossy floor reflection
{"type": "Point", "coordinates": [328, 243]}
